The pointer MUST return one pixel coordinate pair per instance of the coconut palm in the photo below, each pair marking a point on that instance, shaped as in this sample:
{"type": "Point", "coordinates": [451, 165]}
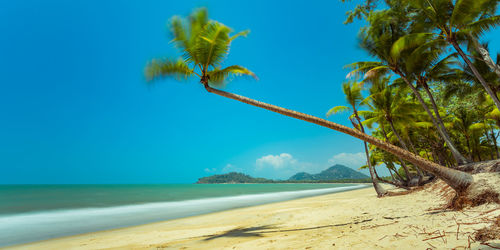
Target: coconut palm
{"type": "Point", "coordinates": [352, 92]}
{"type": "Point", "coordinates": [205, 43]}
{"type": "Point", "coordinates": [388, 106]}
{"type": "Point", "coordinates": [424, 65]}
{"type": "Point", "coordinates": [378, 39]}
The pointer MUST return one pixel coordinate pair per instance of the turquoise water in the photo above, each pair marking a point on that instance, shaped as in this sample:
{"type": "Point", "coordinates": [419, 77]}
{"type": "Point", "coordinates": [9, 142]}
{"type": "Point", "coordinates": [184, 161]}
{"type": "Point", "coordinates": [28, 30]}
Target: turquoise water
{"type": "Point", "coordinates": [37, 212]}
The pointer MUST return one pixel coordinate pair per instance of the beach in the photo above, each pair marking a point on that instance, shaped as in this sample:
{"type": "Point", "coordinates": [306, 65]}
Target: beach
{"type": "Point", "coordinates": [348, 220]}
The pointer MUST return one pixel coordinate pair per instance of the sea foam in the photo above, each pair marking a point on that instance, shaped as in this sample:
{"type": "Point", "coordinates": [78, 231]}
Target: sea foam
{"type": "Point", "coordinates": [29, 227]}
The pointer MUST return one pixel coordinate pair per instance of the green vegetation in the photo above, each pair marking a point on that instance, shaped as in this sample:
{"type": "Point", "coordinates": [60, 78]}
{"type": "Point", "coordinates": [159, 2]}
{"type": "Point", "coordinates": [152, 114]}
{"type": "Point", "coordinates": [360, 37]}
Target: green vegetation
{"type": "Point", "coordinates": [232, 177]}
{"type": "Point", "coordinates": [430, 106]}
{"type": "Point", "coordinates": [425, 94]}
{"type": "Point", "coordinates": [334, 174]}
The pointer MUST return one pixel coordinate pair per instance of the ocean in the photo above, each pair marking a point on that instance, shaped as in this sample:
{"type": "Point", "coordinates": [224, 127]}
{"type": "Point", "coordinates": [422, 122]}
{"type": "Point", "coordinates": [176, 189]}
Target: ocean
{"type": "Point", "coordinates": [37, 212]}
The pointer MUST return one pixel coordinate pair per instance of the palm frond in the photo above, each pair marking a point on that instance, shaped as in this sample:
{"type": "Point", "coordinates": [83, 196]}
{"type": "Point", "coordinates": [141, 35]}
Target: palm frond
{"type": "Point", "coordinates": [241, 33]}
{"type": "Point", "coordinates": [465, 11]}
{"type": "Point", "coordinates": [337, 109]}
{"type": "Point", "coordinates": [219, 76]}
{"type": "Point", "coordinates": [410, 41]}
{"type": "Point", "coordinates": [376, 72]}
{"type": "Point", "coordinates": [477, 126]}
{"type": "Point", "coordinates": [360, 68]}
{"type": "Point", "coordinates": [481, 26]}
{"type": "Point", "coordinates": [167, 68]}
{"type": "Point", "coordinates": [179, 33]}
{"type": "Point", "coordinates": [213, 43]}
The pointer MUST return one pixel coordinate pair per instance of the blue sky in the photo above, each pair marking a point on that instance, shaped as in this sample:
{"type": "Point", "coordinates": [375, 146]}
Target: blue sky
{"type": "Point", "coordinates": [76, 108]}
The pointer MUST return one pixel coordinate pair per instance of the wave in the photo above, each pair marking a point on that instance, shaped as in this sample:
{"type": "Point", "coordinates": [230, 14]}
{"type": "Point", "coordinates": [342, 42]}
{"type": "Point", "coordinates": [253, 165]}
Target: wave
{"type": "Point", "coordinates": [29, 227]}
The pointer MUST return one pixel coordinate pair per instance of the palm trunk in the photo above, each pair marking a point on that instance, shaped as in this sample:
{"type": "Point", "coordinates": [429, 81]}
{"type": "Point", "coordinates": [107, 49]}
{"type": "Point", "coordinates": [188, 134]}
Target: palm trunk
{"type": "Point", "coordinates": [402, 163]}
{"type": "Point", "coordinates": [442, 129]}
{"type": "Point", "coordinates": [392, 183]}
{"type": "Point", "coordinates": [391, 166]}
{"type": "Point", "coordinates": [419, 172]}
{"type": "Point", "coordinates": [477, 75]}
{"type": "Point", "coordinates": [456, 154]}
{"type": "Point", "coordinates": [486, 56]}
{"type": "Point", "coordinates": [392, 176]}
{"type": "Point", "coordinates": [467, 139]}
{"type": "Point", "coordinates": [378, 189]}
{"type": "Point", "coordinates": [458, 180]}
{"type": "Point", "coordinates": [403, 144]}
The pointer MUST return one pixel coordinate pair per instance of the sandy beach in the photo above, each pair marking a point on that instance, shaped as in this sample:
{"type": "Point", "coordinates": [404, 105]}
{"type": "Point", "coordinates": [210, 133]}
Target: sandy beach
{"type": "Point", "coordinates": [349, 220]}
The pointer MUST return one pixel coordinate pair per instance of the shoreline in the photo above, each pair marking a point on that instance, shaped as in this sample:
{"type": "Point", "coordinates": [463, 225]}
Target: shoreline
{"type": "Point", "coordinates": [352, 219]}
{"type": "Point", "coordinates": [51, 224]}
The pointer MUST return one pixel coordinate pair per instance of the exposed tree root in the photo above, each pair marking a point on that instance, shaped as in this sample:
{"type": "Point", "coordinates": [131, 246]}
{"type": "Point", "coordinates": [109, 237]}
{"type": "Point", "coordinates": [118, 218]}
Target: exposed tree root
{"type": "Point", "coordinates": [461, 201]}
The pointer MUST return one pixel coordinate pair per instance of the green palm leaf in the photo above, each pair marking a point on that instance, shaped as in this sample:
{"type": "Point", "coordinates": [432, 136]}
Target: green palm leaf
{"type": "Point", "coordinates": [213, 43]}
{"type": "Point", "coordinates": [410, 41]}
{"type": "Point", "coordinates": [166, 67]}
{"type": "Point", "coordinates": [465, 11]}
{"type": "Point", "coordinates": [219, 76]}
{"type": "Point", "coordinates": [481, 26]}
{"type": "Point", "coordinates": [337, 109]}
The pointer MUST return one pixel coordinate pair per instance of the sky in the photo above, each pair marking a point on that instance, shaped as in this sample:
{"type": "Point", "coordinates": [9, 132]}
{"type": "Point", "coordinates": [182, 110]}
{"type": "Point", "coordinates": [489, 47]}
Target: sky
{"type": "Point", "coordinates": [75, 106]}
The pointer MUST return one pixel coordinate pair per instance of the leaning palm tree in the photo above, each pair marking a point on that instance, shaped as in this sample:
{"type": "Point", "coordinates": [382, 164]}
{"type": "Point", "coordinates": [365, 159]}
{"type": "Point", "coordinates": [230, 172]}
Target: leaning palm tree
{"type": "Point", "coordinates": [205, 43]}
{"type": "Point", "coordinates": [352, 92]}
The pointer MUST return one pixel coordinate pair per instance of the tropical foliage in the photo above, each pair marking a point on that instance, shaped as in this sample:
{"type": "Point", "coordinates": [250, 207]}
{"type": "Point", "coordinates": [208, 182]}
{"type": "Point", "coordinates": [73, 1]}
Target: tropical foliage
{"type": "Point", "coordinates": [433, 87]}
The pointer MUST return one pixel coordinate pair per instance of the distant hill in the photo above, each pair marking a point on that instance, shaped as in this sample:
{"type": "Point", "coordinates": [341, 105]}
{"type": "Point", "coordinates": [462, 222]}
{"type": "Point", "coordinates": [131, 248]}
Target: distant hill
{"type": "Point", "coordinates": [334, 174]}
{"type": "Point", "coordinates": [337, 172]}
{"type": "Point", "coordinates": [232, 177]}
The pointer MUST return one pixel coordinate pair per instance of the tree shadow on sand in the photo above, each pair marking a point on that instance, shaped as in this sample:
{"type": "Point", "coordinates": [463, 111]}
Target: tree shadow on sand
{"type": "Point", "coordinates": [241, 232]}
{"type": "Point", "coordinates": [259, 231]}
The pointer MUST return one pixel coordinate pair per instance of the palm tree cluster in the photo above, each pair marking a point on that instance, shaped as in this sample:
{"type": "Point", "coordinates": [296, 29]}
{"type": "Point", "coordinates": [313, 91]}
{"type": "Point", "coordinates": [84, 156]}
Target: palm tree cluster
{"type": "Point", "coordinates": [432, 88]}
{"type": "Point", "coordinates": [416, 110]}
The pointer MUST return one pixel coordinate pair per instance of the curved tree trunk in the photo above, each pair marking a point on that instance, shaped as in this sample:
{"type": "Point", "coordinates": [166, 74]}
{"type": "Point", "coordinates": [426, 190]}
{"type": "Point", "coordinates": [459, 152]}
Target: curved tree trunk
{"type": "Point", "coordinates": [442, 129]}
{"type": "Point", "coordinates": [486, 56]}
{"type": "Point", "coordinates": [379, 189]}
{"type": "Point", "coordinates": [402, 163]}
{"type": "Point", "coordinates": [456, 154]}
{"type": "Point", "coordinates": [458, 180]}
{"type": "Point", "coordinates": [393, 168]}
{"type": "Point", "coordinates": [403, 144]}
{"type": "Point", "coordinates": [414, 150]}
{"type": "Point", "coordinates": [477, 75]}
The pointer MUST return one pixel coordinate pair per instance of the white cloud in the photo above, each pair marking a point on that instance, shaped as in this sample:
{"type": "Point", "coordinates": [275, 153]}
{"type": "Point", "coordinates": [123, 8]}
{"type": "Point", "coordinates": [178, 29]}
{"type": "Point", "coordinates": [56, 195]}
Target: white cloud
{"type": "Point", "coordinates": [276, 161]}
{"type": "Point", "coordinates": [352, 160]}
{"type": "Point", "coordinates": [280, 166]}
{"type": "Point", "coordinates": [210, 170]}
{"type": "Point", "coordinates": [231, 168]}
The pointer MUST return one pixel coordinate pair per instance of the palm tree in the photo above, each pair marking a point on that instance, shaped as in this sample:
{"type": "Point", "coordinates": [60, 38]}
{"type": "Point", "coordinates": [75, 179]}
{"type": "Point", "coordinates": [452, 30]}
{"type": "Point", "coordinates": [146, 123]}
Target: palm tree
{"type": "Point", "coordinates": [352, 91]}
{"type": "Point", "coordinates": [424, 65]}
{"type": "Point", "coordinates": [390, 107]}
{"type": "Point", "coordinates": [205, 44]}
{"type": "Point", "coordinates": [379, 39]}
{"type": "Point", "coordinates": [453, 23]}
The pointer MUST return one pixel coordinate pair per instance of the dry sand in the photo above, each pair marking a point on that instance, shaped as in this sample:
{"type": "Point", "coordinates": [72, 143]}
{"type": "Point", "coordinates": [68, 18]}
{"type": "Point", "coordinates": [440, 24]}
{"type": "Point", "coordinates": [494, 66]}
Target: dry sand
{"type": "Point", "coordinates": [350, 220]}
